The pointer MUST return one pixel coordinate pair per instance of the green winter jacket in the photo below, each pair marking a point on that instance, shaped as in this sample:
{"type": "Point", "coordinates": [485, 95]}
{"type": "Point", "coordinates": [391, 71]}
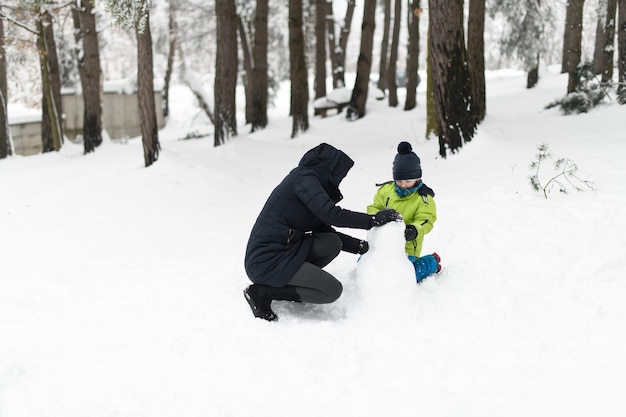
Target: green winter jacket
{"type": "Point", "coordinates": [419, 211]}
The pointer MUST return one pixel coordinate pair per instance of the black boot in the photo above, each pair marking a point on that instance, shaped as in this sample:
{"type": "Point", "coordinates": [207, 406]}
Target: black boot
{"type": "Point", "coordinates": [260, 297]}
{"type": "Point", "coordinates": [260, 301]}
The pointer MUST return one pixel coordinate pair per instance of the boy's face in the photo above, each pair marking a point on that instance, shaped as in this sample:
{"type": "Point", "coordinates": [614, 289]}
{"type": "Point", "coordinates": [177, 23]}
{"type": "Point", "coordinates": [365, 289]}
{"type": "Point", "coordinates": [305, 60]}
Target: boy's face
{"type": "Point", "coordinates": [407, 183]}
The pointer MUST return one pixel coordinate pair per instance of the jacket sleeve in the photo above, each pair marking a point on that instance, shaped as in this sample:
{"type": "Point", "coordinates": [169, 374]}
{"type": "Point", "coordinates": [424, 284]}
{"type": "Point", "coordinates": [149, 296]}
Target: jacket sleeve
{"type": "Point", "coordinates": [349, 244]}
{"type": "Point", "coordinates": [378, 203]}
{"type": "Point", "coordinates": [309, 190]}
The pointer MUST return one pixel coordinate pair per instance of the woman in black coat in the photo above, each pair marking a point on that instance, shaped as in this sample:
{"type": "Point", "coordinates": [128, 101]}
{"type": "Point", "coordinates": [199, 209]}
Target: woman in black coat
{"type": "Point", "coordinates": [292, 239]}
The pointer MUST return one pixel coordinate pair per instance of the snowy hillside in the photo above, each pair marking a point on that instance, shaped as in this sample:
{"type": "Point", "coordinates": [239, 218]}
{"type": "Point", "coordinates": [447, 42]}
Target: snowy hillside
{"type": "Point", "coordinates": [121, 286]}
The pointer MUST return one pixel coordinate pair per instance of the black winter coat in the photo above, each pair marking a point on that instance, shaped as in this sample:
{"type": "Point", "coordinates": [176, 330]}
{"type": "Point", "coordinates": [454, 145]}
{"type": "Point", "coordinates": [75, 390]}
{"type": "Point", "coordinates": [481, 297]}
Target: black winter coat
{"type": "Point", "coordinates": [302, 204]}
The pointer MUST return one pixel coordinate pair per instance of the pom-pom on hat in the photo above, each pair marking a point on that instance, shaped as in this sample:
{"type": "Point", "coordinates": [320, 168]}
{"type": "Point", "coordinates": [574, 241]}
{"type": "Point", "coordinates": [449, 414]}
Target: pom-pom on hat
{"type": "Point", "coordinates": [406, 165]}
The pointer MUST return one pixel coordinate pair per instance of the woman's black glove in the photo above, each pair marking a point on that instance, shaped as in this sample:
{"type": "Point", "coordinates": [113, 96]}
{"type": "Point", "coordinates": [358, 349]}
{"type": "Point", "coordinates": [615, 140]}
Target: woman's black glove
{"type": "Point", "coordinates": [363, 247]}
{"type": "Point", "coordinates": [385, 216]}
{"type": "Point", "coordinates": [410, 232]}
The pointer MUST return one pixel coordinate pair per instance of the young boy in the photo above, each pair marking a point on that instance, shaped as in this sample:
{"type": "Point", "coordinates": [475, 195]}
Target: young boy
{"type": "Point", "coordinates": [408, 195]}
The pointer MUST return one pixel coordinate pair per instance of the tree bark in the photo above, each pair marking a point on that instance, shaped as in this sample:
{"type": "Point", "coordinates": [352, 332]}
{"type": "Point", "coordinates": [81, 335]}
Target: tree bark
{"type": "Point", "coordinates": [298, 70]}
{"type": "Point", "coordinates": [90, 74]}
{"type": "Point", "coordinates": [171, 54]}
{"type": "Point", "coordinates": [575, 13]}
{"type": "Point", "coordinates": [225, 71]}
{"type": "Point", "coordinates": [145, 93]}
{"type": "Point", "coordinates": [451, 79]}
{"type": "Point", "coordinates": [343, 41]}
{"type": "Point", "coordinates": [364, 62]}
{"type": "Point", "coordinates": [51, 126]}
{"type": "Point", "coordinates": [384, 47]}
{"type": "Point", "coordinates": [247, 64]}
{"type": "Point", "coordinates": [432, 129]}
{"type": "Point", "coordinates": [604, 60]}
{"type": "Point", "coordinates": [476, 56]}
{"type": "Point", "coordinates": [320, 50]}
{"type": "Point", "coordinates": [5, 131]}
{"type": "Point", "coordinates": [621, 51]}
{"type": "Point", "coordinates": [566, 39]}
{"type": "Point", "coordinates": [393, 56]}
{"type": "Point", "coordinates": [259, 81]}
{"type": "Point", "coordinates": [413, 51]}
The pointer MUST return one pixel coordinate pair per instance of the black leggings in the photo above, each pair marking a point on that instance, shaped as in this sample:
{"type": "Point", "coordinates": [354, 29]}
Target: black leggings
{"type": "Point", "coordinates": [313, 284]}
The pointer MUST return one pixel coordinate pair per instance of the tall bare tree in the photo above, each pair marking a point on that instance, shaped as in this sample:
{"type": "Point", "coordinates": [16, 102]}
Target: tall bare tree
{"type": "Point", "coordinates": [432, 129]}
{"type": "Point", "coordinates": [225, 71]}
{"type": "Point", "coordinates": [298, 70]}
{"type": "Point", "coordinates": [605, 40]}
{"type": "Point", "coordinates": [259, 78]}
{"type": "Point", "coordinates": [575, 29]}
{"type": "Point", "coordinates": [337, 49]}
{"type": "Point", "coordinates": [320, 49]}
{"type": "Point", "coordinates": [451, 79]}
{"type": "Point", "coordinates": [88, 57]}
{"type": "Point", "coordinates": [145, 92]}
{"type": "Point", "coordinates": [246, 51]}
{"type": "Point", "coordinates": [5, 131]}
{"type": "Point", "coordinates": [413, 51]}
{"type": "Point", "coordinates": [476, 56]}
{"type": "Point", "coordinates": [392, 83]}
{"type": "Point", "coordinates": [358, 99]}
{"type": "Point", "coordinates": [171, 55]}
{"type": "Point", "coordinates": [52, 111]}
{"type": "Point", "coordinates": [621, 51]}
{"type": "Point", "coordinates": [135, 15]}
{"type": "Point", "coordinates": [384, 47]}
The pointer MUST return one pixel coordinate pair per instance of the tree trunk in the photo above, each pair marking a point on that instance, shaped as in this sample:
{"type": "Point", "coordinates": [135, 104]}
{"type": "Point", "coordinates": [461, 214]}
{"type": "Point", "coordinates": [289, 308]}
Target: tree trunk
{"type": "Point", "coordinates": [364, 62]}
{"type": "Point", "coordinates": [599, 44]}
{"type": "Point", "coordinates": [333, 45]}
{"type": "Point", "coordinates": [5, 131]}
{"type": "Point", "coordinates": [575, 12]}
{"type": "Point", "coordinates": [451, 79]}
{"type": "Point", "coordinates": [604, 61]}
{"type": "Point", "coordinates": [343, 41]}
{"type": "Point", "coordinates": [247, 64]}
{"type": "Point", "coordinates": [533, 75]}
{"type": "Point", "coordinates": [145, 93]}
{"type": "Point", "coordinates": [51, 127]}
{"type": "Point", "coordinates": [225, 71]}
{"type": "Point", "coordinates": [90, 73]}
{"type": "Point", "coordinates": [171, 54]}
{"type": "Point", "coordinates": [320, 50]}
{"type": "Point", "coordinates": [566, 39]}
{"type": "Point", "coordinates": [298, 70]}
{"type": "Point", "coordinates": [259, 81]}
{"type": "Point", "coordinates": [393, 56]}
{"type": "Point", "coordinates": [413, 51]}
{"type": "Point", "coordinates": [432, 129]}
{"type": "Point", "coordinates": [621, 51]}
{"type": "Point", "coordinates": [384, 47]}
{"type": "Point", "coordinates": [476, 56]}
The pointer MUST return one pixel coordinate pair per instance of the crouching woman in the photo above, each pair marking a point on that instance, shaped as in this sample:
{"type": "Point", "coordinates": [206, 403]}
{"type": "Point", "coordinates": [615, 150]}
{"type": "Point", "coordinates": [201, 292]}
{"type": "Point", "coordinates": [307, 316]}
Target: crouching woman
{"type": "Point", "coordinates": [293, 238]}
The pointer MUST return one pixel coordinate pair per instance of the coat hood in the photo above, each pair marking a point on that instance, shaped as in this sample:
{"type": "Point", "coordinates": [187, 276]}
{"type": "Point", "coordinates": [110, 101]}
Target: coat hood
{"type": "Point", "coordinates": [328, 162]}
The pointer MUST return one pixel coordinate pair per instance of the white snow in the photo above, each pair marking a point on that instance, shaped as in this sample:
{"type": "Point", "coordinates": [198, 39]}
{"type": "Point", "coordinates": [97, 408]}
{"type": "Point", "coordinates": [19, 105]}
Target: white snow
{"type": "Point", "coordinates": [121, 286]}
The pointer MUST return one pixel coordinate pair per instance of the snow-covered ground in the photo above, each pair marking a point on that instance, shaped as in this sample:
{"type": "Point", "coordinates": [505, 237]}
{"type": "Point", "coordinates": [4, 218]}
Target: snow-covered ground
{"type": "Point", "coordinates": [121, 286]}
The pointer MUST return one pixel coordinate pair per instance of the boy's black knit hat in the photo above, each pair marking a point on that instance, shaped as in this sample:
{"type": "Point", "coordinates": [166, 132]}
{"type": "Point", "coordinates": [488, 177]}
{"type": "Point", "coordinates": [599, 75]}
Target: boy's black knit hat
{"type": "Point", "coordinates": [406, 165]}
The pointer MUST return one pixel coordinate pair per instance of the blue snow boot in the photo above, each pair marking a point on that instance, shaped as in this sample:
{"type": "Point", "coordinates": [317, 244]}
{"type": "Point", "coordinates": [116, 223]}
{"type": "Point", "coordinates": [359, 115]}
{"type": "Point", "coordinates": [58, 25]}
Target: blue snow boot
{"type": "Point", "coordinates": [425, 265]}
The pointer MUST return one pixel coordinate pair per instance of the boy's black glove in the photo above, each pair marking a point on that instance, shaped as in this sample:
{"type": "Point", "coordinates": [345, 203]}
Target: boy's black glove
{"type": "Point", "coordinates": [363, 247]}
{"type": "Point", "coordinates": [410, 232]}
{"type": "Point", "coordinates": [385, 216]}
{"type": "Point", "coordinates": [425, 190]}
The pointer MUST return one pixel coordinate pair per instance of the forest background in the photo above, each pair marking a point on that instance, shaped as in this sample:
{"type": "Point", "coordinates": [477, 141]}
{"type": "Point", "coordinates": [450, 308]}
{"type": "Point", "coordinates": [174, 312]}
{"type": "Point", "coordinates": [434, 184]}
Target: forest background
{"type": "Point", "coordinates": [215, 46]}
